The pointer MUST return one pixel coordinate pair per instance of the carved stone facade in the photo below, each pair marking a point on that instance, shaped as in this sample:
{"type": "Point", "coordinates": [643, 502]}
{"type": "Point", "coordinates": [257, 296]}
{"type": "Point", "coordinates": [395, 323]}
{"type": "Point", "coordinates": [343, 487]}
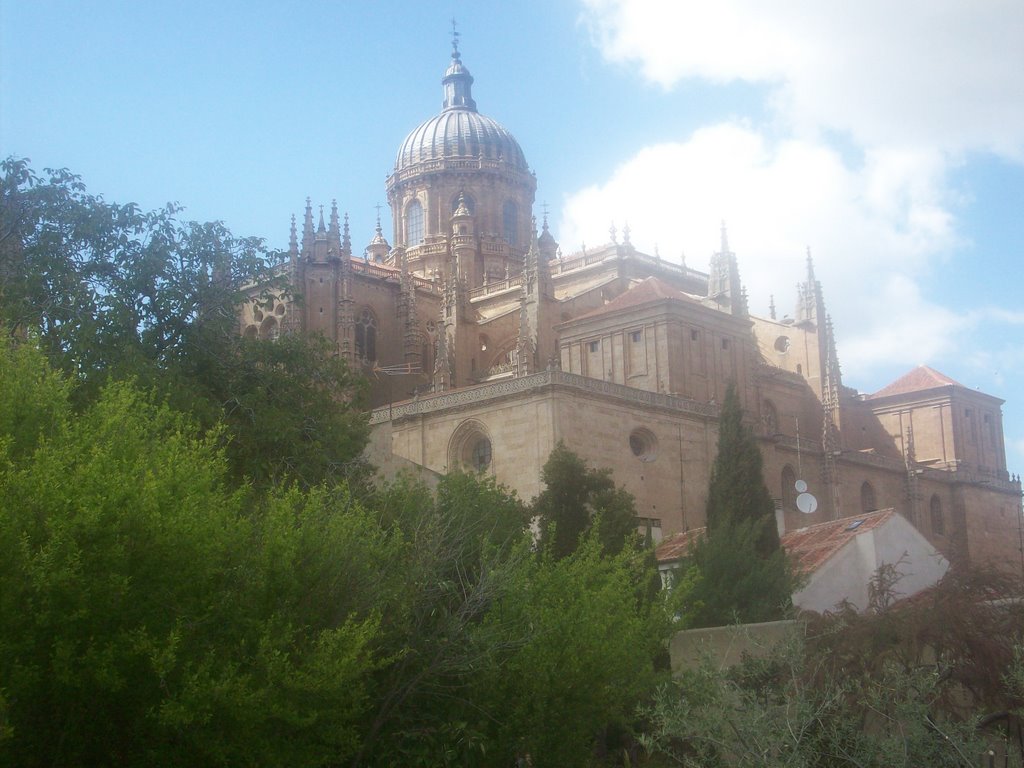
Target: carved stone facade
{"type": "Point", "coordinates": [486, 346]}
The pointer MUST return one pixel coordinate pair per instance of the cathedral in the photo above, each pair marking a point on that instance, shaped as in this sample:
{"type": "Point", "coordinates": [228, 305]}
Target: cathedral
{"type": "Point", "coordinates": [485, 346]}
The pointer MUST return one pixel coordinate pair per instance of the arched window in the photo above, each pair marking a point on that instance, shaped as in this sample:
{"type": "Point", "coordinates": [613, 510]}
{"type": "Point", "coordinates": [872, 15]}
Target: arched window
{"type": "Point", "coordinates": [414, 223]}
{"type": "Point", "coordinates": [269, 329]}
{"type": "Point", "coordinates": [366, 336]}
{"type": "Point", "coordinates": [480, 454]}
{"type": "Point", "coordinates": [510, 220]}
{"type": "Point", "coordinates": [470, 447]}
{"type": "Point", "coordinates": [938, 521]}
{"type": "Point", "coordinates": [867, 498]}
{"type": "Point", "coordinates": [788, 488]}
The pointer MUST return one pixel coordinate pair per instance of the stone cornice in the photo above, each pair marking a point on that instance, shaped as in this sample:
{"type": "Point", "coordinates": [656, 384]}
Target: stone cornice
{"type": "Point", "coordinates": [545, 379]}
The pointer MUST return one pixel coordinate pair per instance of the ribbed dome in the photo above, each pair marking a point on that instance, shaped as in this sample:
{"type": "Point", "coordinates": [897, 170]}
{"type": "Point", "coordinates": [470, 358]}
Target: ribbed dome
{"type": "Point", "coordinates": [460, 134]}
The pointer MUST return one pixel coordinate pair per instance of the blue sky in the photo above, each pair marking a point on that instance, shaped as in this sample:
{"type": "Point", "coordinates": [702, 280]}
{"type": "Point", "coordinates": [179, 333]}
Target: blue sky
{"type": "Point", "coordinates": [886, 137]}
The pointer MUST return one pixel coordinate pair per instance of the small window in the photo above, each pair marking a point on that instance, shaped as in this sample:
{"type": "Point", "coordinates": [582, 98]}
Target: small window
{"type": "Point", "coordinates": [414, 223]}
{"type": "Point", "coordinates": [643, 444]}
{"type": "Point", "coordinates": [771, 418]}
{"type": "Point", "coordinates": [868, 503]}
{"type": "Point", "coordinates": [480, 456]}
{"type": "Point", "coordinates": [510, 220]}
{"type": "Point", "coordinates": [782, 344]}
{"type": "Point", "coordinates": [694, 334]}
{"type": "Point", "coordinates": [269, 329]}
{"type": "Point", "coordinates": [938, 519]}
{"type": "Point", "coordinates": [725, 343]}
{"type": "Point", "coordinates": [366, 336]}
{"type": "Point", "coordinates": [594, 346]}
{"type": "Point", "coordinates": [635, 336]}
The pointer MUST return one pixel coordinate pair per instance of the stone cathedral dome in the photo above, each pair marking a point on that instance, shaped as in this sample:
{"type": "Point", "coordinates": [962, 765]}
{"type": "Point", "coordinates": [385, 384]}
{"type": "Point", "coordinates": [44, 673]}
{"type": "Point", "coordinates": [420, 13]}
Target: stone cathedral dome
{"type": "Point", "coordinates": [459, 132]}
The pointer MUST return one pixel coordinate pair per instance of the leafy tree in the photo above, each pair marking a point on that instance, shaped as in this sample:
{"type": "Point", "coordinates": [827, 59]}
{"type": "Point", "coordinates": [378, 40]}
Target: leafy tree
{"type": "Point", "coordinates": [780, 710]}
{"type": "Point", "coordinates": [111, 293]}
{"type": "Point", "coordinates": [571, 654]}
{"type": "Point", "coordinates": [743, 573]}
{"type": "Point", "coordinates": [934, 680]}
{"type": "Point", "coordinates": [152, 615]}
{"type": "Point", "coordinates": [293, 411]}
{"type": "Point", "coordinates": [576, 498]}
{"type": "Point", "coordinates": [458, 544]}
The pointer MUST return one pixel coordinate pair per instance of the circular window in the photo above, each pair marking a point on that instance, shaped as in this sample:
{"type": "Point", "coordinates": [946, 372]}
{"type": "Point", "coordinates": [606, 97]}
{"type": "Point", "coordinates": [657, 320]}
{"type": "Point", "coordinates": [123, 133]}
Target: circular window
{"type": "Point", "coordinates": [782, 344]}
{"type": "Point", "coordinates": [643, 444]}
{"type": "Point", "coordinates": [470, 447]}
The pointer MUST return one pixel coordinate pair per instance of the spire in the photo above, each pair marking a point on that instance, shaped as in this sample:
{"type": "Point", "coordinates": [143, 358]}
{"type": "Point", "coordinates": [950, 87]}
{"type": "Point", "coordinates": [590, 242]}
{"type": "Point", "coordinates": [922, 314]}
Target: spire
{"type": "Point", "coordinates": [333, 231]}
{"type": "Point", "coordinates": [346, 240]}
{"type": "Point", "coordinates": [771, 306]}
{"type": "Point", "coordinates": [810, 300]}
{"type": "Point", "coordinates": [307, 228]}
{"type": "Point", "coordinates": [378, 236]}
{"type": "Point", "coordinates": [321, 229]}
{"type": "Point", "coordinates": [831, 389]}
{"type": "Point", "coordinates": [724, 287]}
{"type": "Point", "coordinates": [293, 240]}
{"type": "Point", "coordinates": [378, 247]}
{"type": "Point", "coordinates": [546, 241]}
{"type": "Point", "coordinates": [457, 81]}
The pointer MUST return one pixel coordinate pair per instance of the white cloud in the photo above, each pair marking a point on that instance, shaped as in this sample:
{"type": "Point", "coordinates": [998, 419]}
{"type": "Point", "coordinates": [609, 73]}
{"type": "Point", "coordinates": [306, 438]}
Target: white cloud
{"type": "Point", "coordinates": [945, 74]}
{"type": "Point", "coordinates": [868, 228]}
{"type": "Point", "coordinates": [872, 106]}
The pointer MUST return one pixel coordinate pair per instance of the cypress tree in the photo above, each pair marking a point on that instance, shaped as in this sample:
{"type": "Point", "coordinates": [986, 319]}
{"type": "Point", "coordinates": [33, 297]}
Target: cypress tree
{"type": "Point", "coordinates": [738, 491]}
{"type": "Point", "coordinates": [742, 571]}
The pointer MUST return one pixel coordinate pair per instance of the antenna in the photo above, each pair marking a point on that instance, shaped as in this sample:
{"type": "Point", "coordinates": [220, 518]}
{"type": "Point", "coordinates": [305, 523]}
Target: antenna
{"type": "Point", "coordinates": [805, 501]}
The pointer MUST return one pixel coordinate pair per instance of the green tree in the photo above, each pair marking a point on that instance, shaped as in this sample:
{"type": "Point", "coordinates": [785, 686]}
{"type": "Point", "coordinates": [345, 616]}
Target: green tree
{"type": "Point", "coordinates": [737, 490]}
{"type": "Point", "coordinates": [780, 710]}
{"type": "Point", "coordinates": [111, 293]}
{"type": "Point", "coordinates": [572, 654]}
{"type": "Point", "coordinates": [150, 614]}
{"type": "Point", "coordinates": [576, 498]}
{"type": "Point", "coordinates": [458, 542]}
{"type": "Point", "coordinates": [742, 572]}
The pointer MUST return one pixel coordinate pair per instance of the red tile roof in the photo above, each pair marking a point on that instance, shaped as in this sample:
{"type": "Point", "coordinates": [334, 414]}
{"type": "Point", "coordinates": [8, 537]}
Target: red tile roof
{"type": "Point", "coordinates": [810, 547]}
{"type": "Point", "coordinates": [677, 545]}
{"type": "Point", "coordinates": [647, 291]}
{"type": "Point", "coordinates": [918, 380]}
